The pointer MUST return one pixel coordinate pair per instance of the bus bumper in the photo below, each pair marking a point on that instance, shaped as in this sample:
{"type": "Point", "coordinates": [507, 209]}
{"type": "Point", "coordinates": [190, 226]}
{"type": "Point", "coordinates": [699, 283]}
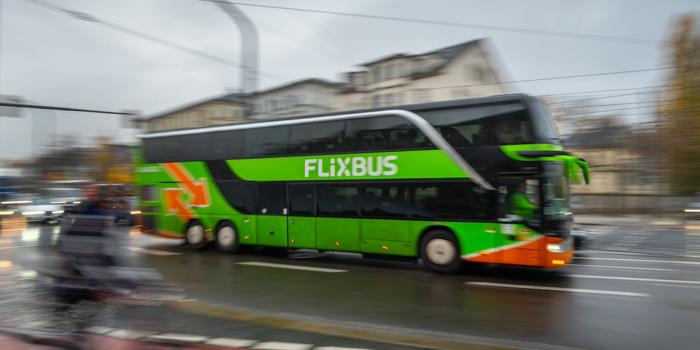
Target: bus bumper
{"type": "Point", "coordinates": [559, 252]}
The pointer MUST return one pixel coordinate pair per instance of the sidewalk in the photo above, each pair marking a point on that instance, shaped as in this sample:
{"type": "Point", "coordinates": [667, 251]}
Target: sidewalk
{"type": "Point", "coordinates": [628, 220]}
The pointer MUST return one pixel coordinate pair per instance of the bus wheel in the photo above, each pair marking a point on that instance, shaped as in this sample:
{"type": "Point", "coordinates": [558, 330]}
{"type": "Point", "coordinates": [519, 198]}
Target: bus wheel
{"type": "Point", "coordinates": [439, 250]}
{"type": "Point", "coordinates": [195, 236]}
{"type": "Point", "coordinates": [226, 238]}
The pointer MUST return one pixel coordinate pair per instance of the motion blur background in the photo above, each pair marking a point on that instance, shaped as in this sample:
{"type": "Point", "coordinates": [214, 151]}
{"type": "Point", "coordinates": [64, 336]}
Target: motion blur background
{"type": "Point", "coordinates": [621, 77]}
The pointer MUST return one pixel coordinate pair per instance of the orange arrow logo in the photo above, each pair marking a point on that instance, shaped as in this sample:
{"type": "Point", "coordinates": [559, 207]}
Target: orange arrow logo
{"type": "Point", "coordinates": [174, 204]}
{"type": "Point", "coordinates": [197, 190]}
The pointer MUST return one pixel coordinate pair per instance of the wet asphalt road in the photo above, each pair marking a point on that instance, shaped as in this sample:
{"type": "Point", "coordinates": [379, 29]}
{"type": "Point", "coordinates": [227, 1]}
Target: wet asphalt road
{"type": "Point", "coordinates": [629, 288]}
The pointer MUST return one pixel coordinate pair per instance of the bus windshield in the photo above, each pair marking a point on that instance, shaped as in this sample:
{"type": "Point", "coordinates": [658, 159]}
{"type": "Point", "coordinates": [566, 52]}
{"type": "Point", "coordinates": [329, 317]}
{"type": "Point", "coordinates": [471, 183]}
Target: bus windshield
{"type": "Point", "coordinates": [555, 192]}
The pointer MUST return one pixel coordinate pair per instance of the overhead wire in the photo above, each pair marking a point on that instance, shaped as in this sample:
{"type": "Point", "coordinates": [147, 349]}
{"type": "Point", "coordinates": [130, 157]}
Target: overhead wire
{"type": "Point", "coordinates": [84, 16]}
{"type": "Point", "coordinates": [587, 36]}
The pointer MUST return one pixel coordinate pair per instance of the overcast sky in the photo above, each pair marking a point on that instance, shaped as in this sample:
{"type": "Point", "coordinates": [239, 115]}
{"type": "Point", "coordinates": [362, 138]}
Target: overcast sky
{"type": "Point", "coordinates": [52, 58]}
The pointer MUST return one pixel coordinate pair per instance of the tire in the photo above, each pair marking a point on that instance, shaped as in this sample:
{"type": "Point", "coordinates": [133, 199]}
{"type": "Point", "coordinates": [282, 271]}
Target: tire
{"type": "Point", "coordinates": [196, 236]}
{"type": "Point", "coordinates": [439, 251]}
{"type": "Point", "coordinates": [227, 238]}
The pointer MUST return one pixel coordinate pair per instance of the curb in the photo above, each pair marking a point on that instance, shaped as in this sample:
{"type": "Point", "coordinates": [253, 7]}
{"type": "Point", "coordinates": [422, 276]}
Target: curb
{"type": "Point", "coordinates": [366, 332]}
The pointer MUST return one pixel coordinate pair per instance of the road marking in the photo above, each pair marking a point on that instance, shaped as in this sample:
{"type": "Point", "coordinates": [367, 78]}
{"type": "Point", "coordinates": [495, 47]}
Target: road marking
{"type": "Point", "coordinates": [99, 330]}
{"type": "Point", "coordinates": [335, 348]}
{"type": "Point", "coordinates": [274, 345]}
{"type": "Point", "coordinates": [621, 267]}
{"type": "Point", "coordinates": [604, 252]}
{"type": "Point", "coordinates": [290, 267]}
{"type": "Point", "coordinates": [19, 246]}
{"type": "Point", "coordinates": [231, 342]}
{"type": "Point", "coordinates": [640, 279]}
{"type": "Point", "coordinates": [179, 337]}
{"type": "Point", "coordinates": [129, 334]}
{"type": "Point", "coordinates": [675, 285]}
{"type": "Point", "coordinates": [640, 260]}
{"type": "Point", "coordinates": [152, 251]}
{"type": "Point", "coordinates": [559, 289]}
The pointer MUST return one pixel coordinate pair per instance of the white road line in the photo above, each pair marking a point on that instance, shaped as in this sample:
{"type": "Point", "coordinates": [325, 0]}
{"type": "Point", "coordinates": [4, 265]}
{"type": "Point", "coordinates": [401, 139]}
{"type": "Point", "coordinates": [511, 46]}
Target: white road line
{"type": "Point", "coordinates": [604, 252]}
{"type": "Point", "coordinates": [179, 337]}
{"type": "Point", "coordinates": [639, 279]}
{"type": "Point", "coordinates": [231, 342]}
{"type": "Point", "coordinates": [336, 348]}
{"type": "Point", "coordinates": [622, 267]}
{"type": "Point", "coordinates": [152, 251]}
{"type": "Point", "coordinates": [640, 260]}
{"type": "Point", "coordinates": [273, 345]}
{"type": "Point", "coordinates": [675, 285]}
{"type": "Point", "coordinates": [129, 334]}
{"type": "Point", "coordinates": [558, 289]}
{"type": "Point", "coordinates": [99, 330]}
{"type": "Point", "coordinates": [19, 246]}
{"type": "Point", "coordinates": [290, 267]}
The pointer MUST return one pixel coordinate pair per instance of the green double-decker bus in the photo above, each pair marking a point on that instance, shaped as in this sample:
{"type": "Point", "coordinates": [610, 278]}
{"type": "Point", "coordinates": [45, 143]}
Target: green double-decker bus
{"type": "Point", "coordinates": [482, 180]}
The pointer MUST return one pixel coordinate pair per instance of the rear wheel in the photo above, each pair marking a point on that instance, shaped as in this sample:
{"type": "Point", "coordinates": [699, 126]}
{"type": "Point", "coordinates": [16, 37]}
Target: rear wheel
{"type": "Point", "coordinates": [226, 238]}
{"type": "Point", "coordinates": [196, 236]}
{"type": "Point", "coordinates": [439, 250]}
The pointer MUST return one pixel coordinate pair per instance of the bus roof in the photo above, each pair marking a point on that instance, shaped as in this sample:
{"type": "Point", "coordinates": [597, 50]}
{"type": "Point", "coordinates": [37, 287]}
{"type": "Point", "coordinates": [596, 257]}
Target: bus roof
{"type": "Point", "coordinates": [411, 107]}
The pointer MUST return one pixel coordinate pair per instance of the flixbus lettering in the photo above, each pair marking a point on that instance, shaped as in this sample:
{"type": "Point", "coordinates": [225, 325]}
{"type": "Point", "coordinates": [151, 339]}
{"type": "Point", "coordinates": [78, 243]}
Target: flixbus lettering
{"type": "Point", "coordinates": [351, 166]}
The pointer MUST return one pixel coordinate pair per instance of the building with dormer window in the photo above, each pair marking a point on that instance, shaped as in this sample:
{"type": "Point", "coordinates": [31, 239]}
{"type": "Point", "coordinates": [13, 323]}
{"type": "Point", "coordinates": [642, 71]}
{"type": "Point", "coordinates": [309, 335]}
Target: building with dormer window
{"type": "Point", "coordinates": [459, 71]}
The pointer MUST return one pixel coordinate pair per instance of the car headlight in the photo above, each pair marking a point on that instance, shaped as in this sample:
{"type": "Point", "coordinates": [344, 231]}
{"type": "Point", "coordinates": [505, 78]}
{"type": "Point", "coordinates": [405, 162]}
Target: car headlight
{"type": "Point", "coordinates": [555, 248]}
{"type": "Point", "coordinates": [58, 212]}
{"type": "Point", "coordinates": [32, 212]}
{"type": "Point", "coordinates": [135, 212]}
{"type": "Point", "coordinates": [6, 212]}
{"type": "Point", "coordinates": [692, 210]}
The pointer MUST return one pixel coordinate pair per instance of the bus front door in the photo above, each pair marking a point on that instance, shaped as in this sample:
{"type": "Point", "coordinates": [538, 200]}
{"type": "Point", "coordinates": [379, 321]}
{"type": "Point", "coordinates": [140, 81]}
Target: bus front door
{"type": "Point", "coordinates": [272, 214]}
{"type": "Point", "coordinates": [301, 223]}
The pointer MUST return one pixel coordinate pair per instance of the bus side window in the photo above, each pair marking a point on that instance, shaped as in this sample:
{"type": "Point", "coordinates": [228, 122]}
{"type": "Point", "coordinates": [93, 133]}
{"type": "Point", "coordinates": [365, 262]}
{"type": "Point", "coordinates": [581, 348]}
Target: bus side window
{"type": "Point", "coordinates": [271, 198]}
{"type": "Point", "coordinates": [316, 138]}
{"type": "Point", "coordinates": [383, 133]}
{"type": "Point", "coordinates": [341, 201]}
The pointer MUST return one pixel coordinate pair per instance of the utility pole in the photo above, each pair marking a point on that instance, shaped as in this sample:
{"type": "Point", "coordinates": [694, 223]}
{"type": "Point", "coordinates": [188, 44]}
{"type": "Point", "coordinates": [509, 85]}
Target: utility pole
{"type": "Point", "coordinates": [249, 46]}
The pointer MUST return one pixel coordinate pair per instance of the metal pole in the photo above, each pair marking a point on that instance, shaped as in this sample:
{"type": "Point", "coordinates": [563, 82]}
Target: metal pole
{"type": "Point", "coordinates": [249, 46]}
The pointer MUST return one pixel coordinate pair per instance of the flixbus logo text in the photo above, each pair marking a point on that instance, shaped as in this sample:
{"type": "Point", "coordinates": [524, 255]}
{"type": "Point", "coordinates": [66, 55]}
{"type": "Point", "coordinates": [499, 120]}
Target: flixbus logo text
{"type": "Point", "coordinates": [351, 166]}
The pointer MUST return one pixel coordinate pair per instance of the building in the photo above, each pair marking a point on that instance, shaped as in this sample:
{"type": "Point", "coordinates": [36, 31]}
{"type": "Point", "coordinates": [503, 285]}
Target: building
{"type": "Point", "coordinates": [224, 109]}
{"type": "Point", "coordinates": [460, 71]}
{"type": "Point", "coordinates": [309, 96]}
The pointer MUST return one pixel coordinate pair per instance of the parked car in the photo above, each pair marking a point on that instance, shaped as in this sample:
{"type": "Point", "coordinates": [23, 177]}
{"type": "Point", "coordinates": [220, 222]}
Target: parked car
{"type": "Point", "coordinates": [41, 211]}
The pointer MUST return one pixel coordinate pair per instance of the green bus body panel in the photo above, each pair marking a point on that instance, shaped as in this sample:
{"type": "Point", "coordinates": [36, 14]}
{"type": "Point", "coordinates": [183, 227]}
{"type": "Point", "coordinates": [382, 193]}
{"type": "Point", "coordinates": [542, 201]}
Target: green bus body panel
{"type": "Point", "coordinates": [302, 232]}
{"type": "Point", "coordinates": [364, 235]}
{"type": "Point", "coordinates": [424, 164]}
{"type": "Point", "coordinates": [342, 234]}
{"type": "Point", "coordinates": [272, 230]}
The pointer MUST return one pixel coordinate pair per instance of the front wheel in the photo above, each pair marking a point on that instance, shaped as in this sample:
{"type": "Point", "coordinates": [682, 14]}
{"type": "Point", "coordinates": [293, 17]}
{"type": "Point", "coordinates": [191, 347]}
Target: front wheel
{"type": "Point", "coordinates": [196, 236]}
{"type": "Point", "coordinates": [439, 250]}
{"type": "Point", "coordinates": [226, 238]}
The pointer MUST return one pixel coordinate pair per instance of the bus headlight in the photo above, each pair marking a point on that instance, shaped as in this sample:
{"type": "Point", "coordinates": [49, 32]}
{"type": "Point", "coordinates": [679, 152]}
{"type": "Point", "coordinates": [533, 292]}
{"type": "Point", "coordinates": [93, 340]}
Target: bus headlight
{"type": "Point", "coordinates": [555, 248]}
